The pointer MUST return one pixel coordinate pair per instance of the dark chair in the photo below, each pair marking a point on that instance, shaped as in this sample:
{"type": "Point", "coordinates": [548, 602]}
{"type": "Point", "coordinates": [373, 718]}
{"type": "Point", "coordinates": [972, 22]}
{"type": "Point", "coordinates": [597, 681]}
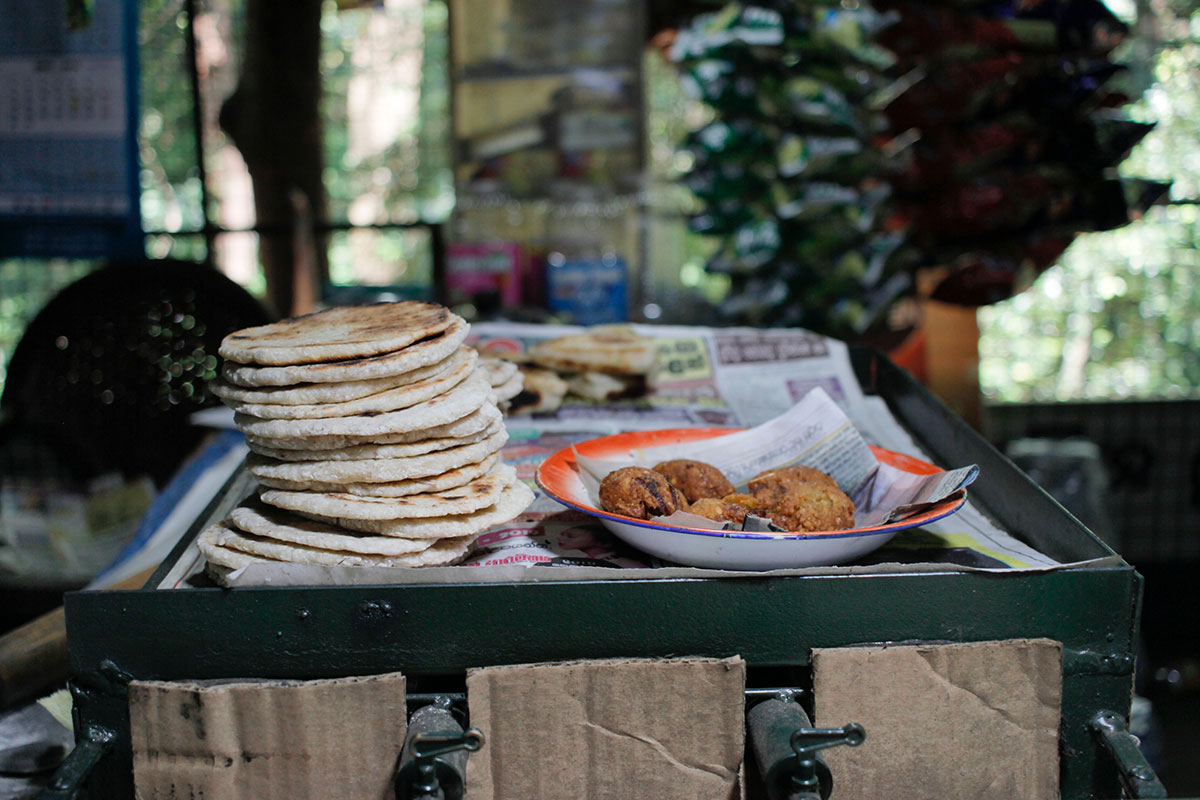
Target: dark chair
{"type": "Point", "coordinates": [108, 373]}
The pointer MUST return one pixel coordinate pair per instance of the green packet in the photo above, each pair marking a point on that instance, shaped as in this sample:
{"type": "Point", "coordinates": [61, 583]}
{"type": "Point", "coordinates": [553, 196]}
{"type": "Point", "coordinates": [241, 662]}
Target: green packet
{"type": "Point", "coordinates": [733, 25]}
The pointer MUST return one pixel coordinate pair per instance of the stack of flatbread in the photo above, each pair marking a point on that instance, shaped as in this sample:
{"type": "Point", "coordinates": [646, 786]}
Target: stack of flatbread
{"type": "Point", "coordinates": [375, 439]}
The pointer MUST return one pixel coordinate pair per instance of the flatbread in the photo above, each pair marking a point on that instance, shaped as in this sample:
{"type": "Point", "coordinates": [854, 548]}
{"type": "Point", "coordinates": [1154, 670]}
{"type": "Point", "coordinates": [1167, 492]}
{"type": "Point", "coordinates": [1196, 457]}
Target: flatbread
{"type": "Point", "coordinates": [464, 398]}
{"type": "Point", "coordinates": [601, 386]}
{"type": "Point", "coordinates": [542, 392]}
{"type": "Point", "coordinates": [479, 493]}
{"type": "Point", "coordinates": [512, 502]}
{"type": "Point", "coordinates": [615, 349]}
{"type": "Point", "coordinates": [392, 399]}
{"type": "Point", "coordinates": [431, 483]}
{"type": "Point", "coordinates": [365, 451]}
{"type": "Point", "coordinates": [339, 392]}
{"type": "Point", "coordinates": [418, 354]}
{"type": "Point", "coordinates": [256, 518]}
{"type": "Point", "coordinates": [472, 424]}
{"type": "Point", "coordinates": [376, 470]}
{"type": "Point", "coordinates": [223, 557]}
{"type": "Point", "coordinates": [510, 388]}
{"type": "Point", "coordinates": [445, 551]}
{"type": "Point", "coordinates": [337, 334]}
{"type": "Point", "coordinates": [498, 372]}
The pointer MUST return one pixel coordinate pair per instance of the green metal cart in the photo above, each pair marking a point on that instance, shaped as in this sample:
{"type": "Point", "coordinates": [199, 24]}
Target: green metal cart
{"type": "Point", "coordinates": [433, 633]}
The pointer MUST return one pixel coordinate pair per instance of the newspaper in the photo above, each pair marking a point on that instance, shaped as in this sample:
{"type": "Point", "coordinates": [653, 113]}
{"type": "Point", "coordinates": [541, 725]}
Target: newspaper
{"type": "Point", "coordinates": [737, 378]}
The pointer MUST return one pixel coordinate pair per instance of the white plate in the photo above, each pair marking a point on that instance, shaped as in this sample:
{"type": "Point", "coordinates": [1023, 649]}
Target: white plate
{"type": "Point", "coordinates": [558, 477]}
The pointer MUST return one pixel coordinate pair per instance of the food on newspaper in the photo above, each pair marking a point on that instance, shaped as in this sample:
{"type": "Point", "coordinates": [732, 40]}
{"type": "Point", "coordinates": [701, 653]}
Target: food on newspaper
{"type": "Point", "coordinates": [640, 493]}
{"type": "Point", "coordinates": [602, 387]}
{"type": "Point", "coordinates": [794, 498]}
{"type": "Point", "coordinates": [611, 349]}
{"type": "Point", "coordinates": [542, 392]}
{"type": "Point", "coordinates": [600, 364]}
{"type": "Point", "coordinates": [506, 379]}
{"type": "Point", "coordinates": [375, 438]}
{"type": "Point", "coordinates": [695, 478]}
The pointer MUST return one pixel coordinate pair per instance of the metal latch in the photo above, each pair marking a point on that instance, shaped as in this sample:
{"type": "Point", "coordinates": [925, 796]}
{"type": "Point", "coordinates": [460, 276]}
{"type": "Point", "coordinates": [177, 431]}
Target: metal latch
{"type": "Point", "coordinates": [433, 763]}
{"type": "Point", "coordinates": [1136, 775]}
{"type": "Point", "coordinates": [785, 746]}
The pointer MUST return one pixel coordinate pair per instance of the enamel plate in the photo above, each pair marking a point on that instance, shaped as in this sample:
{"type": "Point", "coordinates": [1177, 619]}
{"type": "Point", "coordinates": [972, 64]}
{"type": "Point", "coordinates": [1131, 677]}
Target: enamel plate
{"type": "Point", "coordinates": [558, 477]}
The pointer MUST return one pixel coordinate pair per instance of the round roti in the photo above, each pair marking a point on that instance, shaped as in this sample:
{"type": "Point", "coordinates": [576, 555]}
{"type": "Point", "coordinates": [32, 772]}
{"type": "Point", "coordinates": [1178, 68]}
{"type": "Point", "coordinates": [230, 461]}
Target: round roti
{"type": "Point", "coordinates": [364, 451]}
{"type": "Point", "coordinates": [498, 372]}
{"type": "Point", "coordinates": [468, 396]}
{"type": "Point", "coordinates": [337, 334]}
{"type": "Point", "coordinates": [512, 502]}
{"type": "Point", "coordinates": [510, 388]}
{"type": "Point", "coordinates": [478, 420]}
{"type": "Point", "coordinates": [419, 354]}
{"type": "Point", "coordinates": [472, 496]}
{"type": "Point", "coordinates": [393, 399]}
{"type": "Point", "coordinates": [221, 556]}
{"type": "Point", "coordinates": [615, 349]}
{"type": "Point", "coordinates": [340, 392]}
{"type": "Point", "coordinates": [445, 551]}
{"type": "Point", "coordinates": [377, 470]}
{"type": "Point", "coordinates": [431, 483]}
{"type": "Point", "coordinates": [271, 523]}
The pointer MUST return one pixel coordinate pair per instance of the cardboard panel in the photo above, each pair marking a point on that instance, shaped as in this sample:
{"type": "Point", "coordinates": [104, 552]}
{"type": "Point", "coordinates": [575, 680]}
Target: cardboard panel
{"type": "Point", "coordinates": [609, 729]}
{"type": "Point", "coordinates": [262, 740]}
{"type": "Point", "coordinates": [975, 720]}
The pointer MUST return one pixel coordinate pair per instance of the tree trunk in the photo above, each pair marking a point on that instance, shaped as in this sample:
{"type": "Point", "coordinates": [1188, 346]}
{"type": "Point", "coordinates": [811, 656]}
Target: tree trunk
{"type": "Point", "coordinates": [273, 117]}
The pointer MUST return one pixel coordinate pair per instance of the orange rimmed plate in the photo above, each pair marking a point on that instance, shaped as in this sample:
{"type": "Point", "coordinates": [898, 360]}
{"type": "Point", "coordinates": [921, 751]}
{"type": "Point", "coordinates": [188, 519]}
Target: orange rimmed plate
{"type": "Point", "coordinates": [558, 477]}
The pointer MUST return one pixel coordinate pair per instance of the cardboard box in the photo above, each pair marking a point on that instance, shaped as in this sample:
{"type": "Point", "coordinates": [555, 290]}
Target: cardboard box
{"type": "Point", "coordinates": [975, 720]}
{"type": "Point", "coordinates": [616, 729]}
{"type": "Point", "coordinates": [267, 740]}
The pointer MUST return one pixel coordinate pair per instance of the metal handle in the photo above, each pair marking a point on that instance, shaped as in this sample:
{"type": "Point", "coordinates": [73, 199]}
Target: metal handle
{"type": "Point", "coordinates": [433, 763]}
{"type": "Point", "coordinates": [73, 772]}
{"type": "Point", "coordinates": [785, 746]}
{"type": "Point", "coordinates": [1136, 775]}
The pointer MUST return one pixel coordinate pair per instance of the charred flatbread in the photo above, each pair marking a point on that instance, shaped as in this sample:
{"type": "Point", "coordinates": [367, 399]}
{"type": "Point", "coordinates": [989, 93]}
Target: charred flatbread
{"type": "Point", "coordinates": [512, 502]}
{"type": "Point", "coordinates": [336, 392]}
{"type": "Point", "coordinates": [472, 496]}
{"type": "Point", "coordinates": [360, 452]}
{"type": "Point", "coordinates": [337, 334]}
{"type": "Point", "coordinates": [376, 470]}
{"type": "Point", "coordinates": [430, 483]}
{"type": "Point", "coordinates": [419, 354]}
{"type": "Point", "coordinates": [472, 424]}
{"type": "Point", "coordinates": [614, 349]}
{"type": "Point", "coordinates": [468, 396]}
{"type": "Point", "coordinates": [223, 536]}
{"type": "Point", "coordinates": [259, 519]}
{"type": "Point", "coordinates": [392, 399]}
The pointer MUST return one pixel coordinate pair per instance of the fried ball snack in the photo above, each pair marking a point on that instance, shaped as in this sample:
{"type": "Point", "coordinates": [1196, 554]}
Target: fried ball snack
{"type": "Point", "coordinates": [640, 493]}
{"type": "Point", "coordinates": [747, 501]}
{"type": "Point", "coordinates": [812, 506]}
{"type": "Point", "coordinates": [770, 486]}
{"type": "Point", "coordinates": [720, 510]}
{"type": "Point", "coordinates": [695, 478]}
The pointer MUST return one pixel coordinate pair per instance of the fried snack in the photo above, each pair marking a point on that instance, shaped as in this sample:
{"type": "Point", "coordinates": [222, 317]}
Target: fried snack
{"type": "Point", "coordinates": [770, 486]}
{"type": "Point", "coordinates": [640, 493]}
{"type": "Point", "coordinates": [695, 478]}
{"type": "Point", "coordinates": [746, 500]}
{"type": "Point", "coordinates": [812, 506]}
{"type": "Point", "coordinates": [720, 510]}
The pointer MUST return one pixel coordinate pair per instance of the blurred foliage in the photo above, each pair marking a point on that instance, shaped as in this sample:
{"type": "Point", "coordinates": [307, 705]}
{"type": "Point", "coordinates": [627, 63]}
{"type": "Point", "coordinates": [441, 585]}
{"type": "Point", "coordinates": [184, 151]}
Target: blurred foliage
{"type": "Point", "coordinates": [1119, 317]}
